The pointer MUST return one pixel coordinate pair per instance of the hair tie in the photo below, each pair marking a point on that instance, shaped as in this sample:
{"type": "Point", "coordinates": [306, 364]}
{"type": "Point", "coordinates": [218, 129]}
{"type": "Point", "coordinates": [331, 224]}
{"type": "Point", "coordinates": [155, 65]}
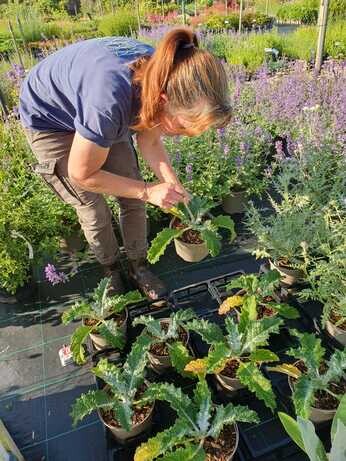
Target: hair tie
{"type": "Point", "coordinates": [189, 45]}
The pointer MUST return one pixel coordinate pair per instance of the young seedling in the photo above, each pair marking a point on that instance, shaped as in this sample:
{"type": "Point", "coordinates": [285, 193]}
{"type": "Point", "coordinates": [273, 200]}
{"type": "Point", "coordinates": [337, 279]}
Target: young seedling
{"type": "Point", "coordinates": [168, 334]}
{"type": "Point", "coordinates": [261, 290]}
{"type": "Point", "coordinates": [193, 216]}
{"type": "Point", "coordinates": [119, 399]}
{"type": "Point", "coordinates": [102, 314]}
{"type": "Point", "coordinates": [239, 353]}
{"type": "Point", "coordinates": [316, 380]}
{"type": "Point", "coordinates": [200, 424]}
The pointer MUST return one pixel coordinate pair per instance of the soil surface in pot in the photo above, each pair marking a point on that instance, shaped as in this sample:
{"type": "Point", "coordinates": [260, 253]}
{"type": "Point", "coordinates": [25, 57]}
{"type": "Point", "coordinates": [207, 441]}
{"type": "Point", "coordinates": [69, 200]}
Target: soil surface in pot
{"type": "Point", "coordinates": [265, 311]}
{"type": "Point", "coordinates": [161, 349]}
{"type": "Point", "coordinates": [189, 236]}
{"type": "Point", "coordinates": [334, 318]}
{"type": "Point", "coordinates": [323, 400]}
{"type": "Point", "coordinates": [119, 319]}
{"type": "Point", "coordinates": [221, 448]}
{"type": "Point", "coordinates": [139, 413]}
{"type": "Point", "coordinates": [231, 369]}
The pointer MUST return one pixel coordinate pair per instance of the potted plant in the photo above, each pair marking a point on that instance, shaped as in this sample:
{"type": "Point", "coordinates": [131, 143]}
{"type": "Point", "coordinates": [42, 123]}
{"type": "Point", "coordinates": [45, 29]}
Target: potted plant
{"type": "Point", "coordinates": [104, 320]}
{"type": "Point", "coordinates": [261, 291]}
{"type": "Point", "coordinates": [290, 239]}
{"type": "Point", "coordinates": [169, 338]}
{"type": "Point", "coordinates": [327, 282]}
{"type": "Point", "coordinates": [235, 358]}
{"type": "Point", "coordinates": [202, 431]}
{"type": "Point", "coordinates": [194, 231]}
{"type": "Point", "coordinates": [120, 403]}
{"type": "Point", "coordinates": [317, 384]}
{"type": "Point", "coordinates": [303, 433]}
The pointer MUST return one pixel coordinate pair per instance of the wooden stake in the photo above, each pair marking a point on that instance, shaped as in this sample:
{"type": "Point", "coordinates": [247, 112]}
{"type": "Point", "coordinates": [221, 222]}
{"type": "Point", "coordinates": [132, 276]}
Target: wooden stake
{"type": "Point", "coordinates": [240, 15]}
{"type": "Point", "coordinates": [3, 104]}
{"type": "Point", "coordinates": [183, 11]}
{"type": "Point", "coordinates": [138, 15]}
{"type": "Point", "coordinates": [322, 28]}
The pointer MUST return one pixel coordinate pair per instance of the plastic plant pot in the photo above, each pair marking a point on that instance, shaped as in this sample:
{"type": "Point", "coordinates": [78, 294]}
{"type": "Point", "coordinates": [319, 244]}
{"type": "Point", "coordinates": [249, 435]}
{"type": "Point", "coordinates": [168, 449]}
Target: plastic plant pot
{"type": "Point", "coordinates": [338, 333]}
{"type": "Point", "coordinates": [99, 342]}
{"type": "Point", "coordinates": [289, 276]}
{"type": "Point", "coordinates": [230, 384]}
{"type": "Point", "coordinates": [235, 202]}
{"type": "Point", "coordinates": [190, 252]}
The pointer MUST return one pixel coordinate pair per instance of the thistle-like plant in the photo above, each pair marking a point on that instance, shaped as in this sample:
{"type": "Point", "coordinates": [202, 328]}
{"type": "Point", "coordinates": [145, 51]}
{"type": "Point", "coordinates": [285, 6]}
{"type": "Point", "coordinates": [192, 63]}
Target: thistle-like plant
{"type": "Point", "coordinates": [327, 284]}
{"type": "Point", "coordinates": [196, 216]}
{"type": "Point", "coordinates": [198, 419]}
{"type": "Point", "coordinates": [303, 433]}
{"type": "Point", "coordinates": [258, 289]}
{"type": "Point", "coordinates": [243, 342]}
{"type": "Point", "coordinates": [169, 333]}
{"type": "Point", "coordinates": [120, 395]}
{"type": "Point", "coordinates": [319, 374]}
{"type": "Point", "coordinates": [98, 312]}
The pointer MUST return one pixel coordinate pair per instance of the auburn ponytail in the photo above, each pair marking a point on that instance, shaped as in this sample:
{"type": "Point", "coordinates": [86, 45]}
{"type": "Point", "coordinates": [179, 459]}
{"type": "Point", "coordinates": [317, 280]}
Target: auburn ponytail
{"type": "Point", "coordinates": [187, 75]}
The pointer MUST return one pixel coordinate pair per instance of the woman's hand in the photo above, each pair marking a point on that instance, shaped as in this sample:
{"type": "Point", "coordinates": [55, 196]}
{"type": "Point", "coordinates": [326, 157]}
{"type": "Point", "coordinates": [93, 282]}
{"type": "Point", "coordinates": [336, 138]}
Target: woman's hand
{"type": "Point", "coordinates": [166, 195]}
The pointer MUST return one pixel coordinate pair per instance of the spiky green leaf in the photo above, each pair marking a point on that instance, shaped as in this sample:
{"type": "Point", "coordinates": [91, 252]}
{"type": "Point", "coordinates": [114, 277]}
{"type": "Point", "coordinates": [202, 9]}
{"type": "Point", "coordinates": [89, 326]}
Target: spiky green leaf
{"type": "Point", "coordinates": [212, 240]}
{"type": "Point", "coordinates": [204, 403]}
{"type": "Point", "coordinates": [87, 403]}
{"type": "Point", "coordinates": [161, 241]}
{"type": "Point", "coordinates": [153, 326]}
{"type": "Point", "coordinates": [179, 401]}
{"type": "Point", "coordinates": [180, 357]}
{"type": "Point", "coordinates": [76, 312]}
{"type": "Point", "coordinates": [225, 222]}
{"type": "Point", "coordinates": [285, 310]}
{"type": "Point", "coordinates": [164, 441]}
{"type": "Point", "coordinates": [110, 374]}
{"type": "Point", "coordinates": [257, 332]}
{"type": "Point", "coordinates": [117, 303]}
{"type": "Point", "coordinates": [263, 355]}
{"type": "Point", "coordinates": [78, 340]}
{"type": "Point", "coordinates": [209, 332]}
{"type": "Point", "coordinates": [123, 412]}
{"type": "Point", "coordinates": [230, 414]}
{"type": "Point", "coordinates": [303, 396]}
{"type": "Point", "coordinates": [189, 453]}
{"type": "Point", "coordinates": [217, 357]}
{"type": "Point", "coordinates": [110, 331]}
{"type": "Point", "coordinates": [248, 310]}
{"type": "Point", "coordinates": [251, 377]}
{"type": "Point", "coordinates": [310, 350]}
{"type": "Point", "coordinates": [133, 368]}
{"type": "Point", "coordinates": [234, 337]}
{"type": "Point", "coordinates": [100, 295]}
{"type": "Point", "coordinates": [336, 367]}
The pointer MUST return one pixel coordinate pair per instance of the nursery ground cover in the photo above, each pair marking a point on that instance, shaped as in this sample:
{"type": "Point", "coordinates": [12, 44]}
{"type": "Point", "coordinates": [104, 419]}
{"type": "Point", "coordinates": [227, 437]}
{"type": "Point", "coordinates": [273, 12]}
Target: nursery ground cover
{"type": "Point", "coordinates": [36, 392]}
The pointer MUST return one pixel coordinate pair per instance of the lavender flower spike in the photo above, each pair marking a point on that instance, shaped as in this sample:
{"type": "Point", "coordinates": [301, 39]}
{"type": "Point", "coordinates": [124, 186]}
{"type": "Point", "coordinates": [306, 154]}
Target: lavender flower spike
{"type": "Point", "coordinates": [53, 276]}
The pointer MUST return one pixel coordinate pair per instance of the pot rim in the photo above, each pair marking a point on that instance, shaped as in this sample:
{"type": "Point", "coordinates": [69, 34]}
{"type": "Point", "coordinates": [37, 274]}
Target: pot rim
{"type": "Point", "coordinates": [341, 330]}
{"type": "Point", "coordinates": [185, 243]}
{"type": "Point", "coordinates": [235, 448]}
{"type": "Point", "coordinates": [109, 317]}
{"type": "Point", "coordinates": [322, 410]}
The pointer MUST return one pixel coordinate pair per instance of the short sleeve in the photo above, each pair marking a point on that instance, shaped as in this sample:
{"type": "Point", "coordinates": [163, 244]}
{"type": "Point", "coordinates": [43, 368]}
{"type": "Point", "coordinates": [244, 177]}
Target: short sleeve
{"type": "Point", "coordinates": [97, 126]}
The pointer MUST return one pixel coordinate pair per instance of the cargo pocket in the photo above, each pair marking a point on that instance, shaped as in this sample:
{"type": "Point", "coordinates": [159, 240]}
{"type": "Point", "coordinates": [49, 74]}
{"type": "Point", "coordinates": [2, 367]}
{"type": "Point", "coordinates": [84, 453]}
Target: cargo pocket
{"type": "Point", "coordinates": [60, 185]}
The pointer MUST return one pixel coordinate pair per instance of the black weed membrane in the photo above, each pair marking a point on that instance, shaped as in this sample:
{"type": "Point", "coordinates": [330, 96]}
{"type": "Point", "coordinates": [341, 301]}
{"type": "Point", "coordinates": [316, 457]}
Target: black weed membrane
{"type": "Point", "coordinates": [265, 441]}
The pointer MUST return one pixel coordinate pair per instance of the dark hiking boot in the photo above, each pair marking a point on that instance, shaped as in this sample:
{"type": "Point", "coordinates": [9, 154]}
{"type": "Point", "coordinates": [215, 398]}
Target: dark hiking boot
{"type": "Point", "coordinates": [147, 282]}
{"type": "Point", "coordinates": [113, 272]}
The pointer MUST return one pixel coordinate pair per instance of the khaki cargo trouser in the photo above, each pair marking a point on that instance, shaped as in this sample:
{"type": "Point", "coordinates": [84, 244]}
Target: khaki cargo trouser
{"type": "Point", "coordinates": [52, 149]}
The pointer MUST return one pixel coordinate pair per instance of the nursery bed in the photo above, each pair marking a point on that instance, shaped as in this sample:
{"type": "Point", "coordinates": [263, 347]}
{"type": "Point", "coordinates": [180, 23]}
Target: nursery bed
{"type": "Point", "coordinates": [36, 392]}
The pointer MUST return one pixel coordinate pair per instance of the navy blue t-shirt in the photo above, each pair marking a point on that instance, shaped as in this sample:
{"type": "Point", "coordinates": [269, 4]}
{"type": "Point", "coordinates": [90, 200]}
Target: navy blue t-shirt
{"type": "Point", "coordinates": [85, 87]}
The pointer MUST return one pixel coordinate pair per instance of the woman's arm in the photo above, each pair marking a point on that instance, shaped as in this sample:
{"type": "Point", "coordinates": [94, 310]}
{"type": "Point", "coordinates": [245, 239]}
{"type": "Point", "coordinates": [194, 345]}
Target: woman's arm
{"type": "Point", "coordinates": [154, 153]}
{"type": "Point", "coordinates": [84, 167]}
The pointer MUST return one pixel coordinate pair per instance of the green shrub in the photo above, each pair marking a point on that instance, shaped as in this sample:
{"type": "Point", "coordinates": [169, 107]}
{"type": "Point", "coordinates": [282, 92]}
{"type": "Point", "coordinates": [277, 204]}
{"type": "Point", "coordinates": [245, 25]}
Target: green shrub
{"type": "Point", "coordinates": [123, 22]}
{"type": "Point", "coordinates": [306, 11]}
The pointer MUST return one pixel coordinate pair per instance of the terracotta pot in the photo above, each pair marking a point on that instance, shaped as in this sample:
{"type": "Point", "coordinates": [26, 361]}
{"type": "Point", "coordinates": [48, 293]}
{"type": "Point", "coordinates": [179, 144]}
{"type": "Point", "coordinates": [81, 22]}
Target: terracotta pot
{"type": "Point", "coordinates": [122, 436]}
{"type": "Point", "coordinates": [338, 333]}
{"type": "Point", "coordinates": [235, 202]}
{"type": "Point", "coordinates": [161, 363]}
{"type": "Point", "coordinates": [73, 243]}
{"type": "Point", "coordinates": [289, 276]}
{"type": "Point", "coordinates": [99, 342]}
{"type": "Point", "coordinates": [230, 384]}
{"type": "Point", "coordinates": [317, 415]}
{"type": "Point", "coordinates": [190, 252]}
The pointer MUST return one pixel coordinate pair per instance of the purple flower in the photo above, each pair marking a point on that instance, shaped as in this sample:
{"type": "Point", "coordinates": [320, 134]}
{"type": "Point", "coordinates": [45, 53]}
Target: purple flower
{"type": "Point", "coordinates": [225, 150]}
{"type": "Point", "coordinates": [244, 147]}
{"type": "Point", "coordinates": [221, 133]}
{"type": "Point", "coordinates": [53, 276]}
{"type": "Point", "coordinates": [189, 171]}
{"type": "Point", "coordinates": [280, 155]}
{"type": "Point", "coordinates": [178, 156]}
{"type": "Point", "coordinates": [239, 161]}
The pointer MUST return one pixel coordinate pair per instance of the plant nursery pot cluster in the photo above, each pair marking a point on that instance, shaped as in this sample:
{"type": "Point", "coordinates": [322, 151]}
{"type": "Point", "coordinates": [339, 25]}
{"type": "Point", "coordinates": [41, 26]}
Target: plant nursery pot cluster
{"type": "Point", "coordinates": [98, 341]}
{"type": "Point", "coordinates": [235, 202]}
{"type": "Point", "coordinates": [141, 422]}
{"type": "Point", "coordinates": [189, 246]}
{"type": "Point", "coordinates": [289, 276]}
{"type": "Point", "coordinates": [158, 354]}
{"type": "Point", "coordinates": [320, 413]}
